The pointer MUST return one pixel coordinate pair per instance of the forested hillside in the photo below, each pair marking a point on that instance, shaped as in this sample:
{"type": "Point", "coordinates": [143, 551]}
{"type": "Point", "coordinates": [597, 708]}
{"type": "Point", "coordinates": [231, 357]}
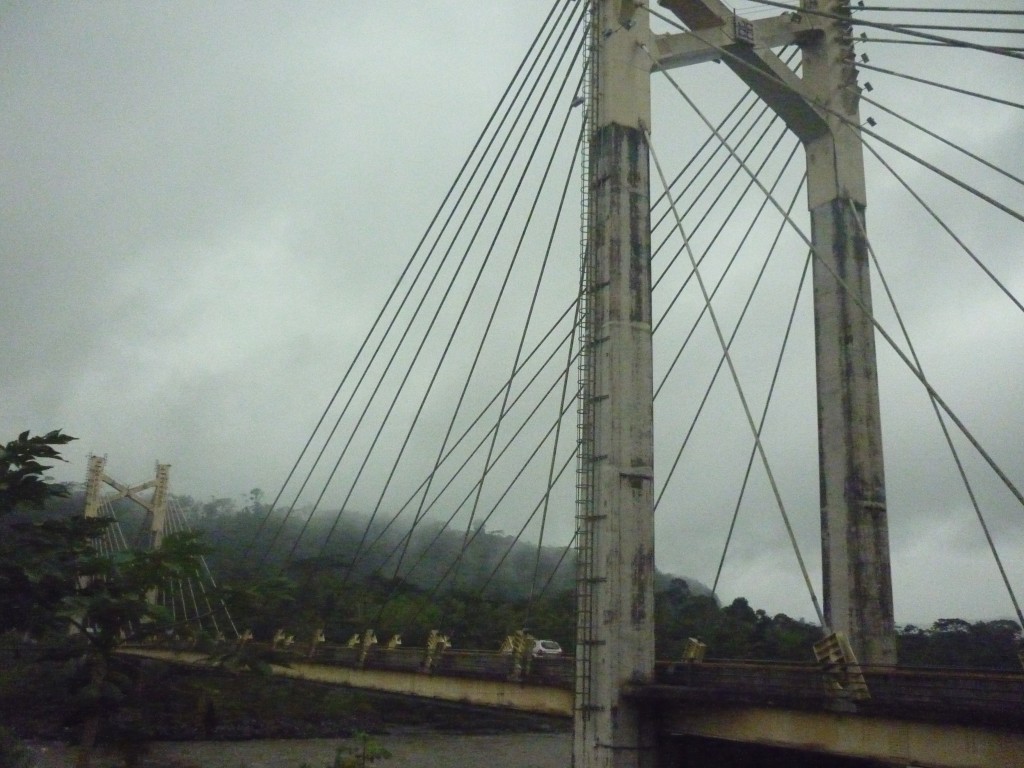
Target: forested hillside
{"type": "Point", "coordinates": [385, 578]}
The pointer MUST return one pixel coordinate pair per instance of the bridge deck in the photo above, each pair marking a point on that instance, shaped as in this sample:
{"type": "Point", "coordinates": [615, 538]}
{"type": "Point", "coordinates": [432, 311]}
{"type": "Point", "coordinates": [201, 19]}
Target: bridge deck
{"type": "Point", "coordinates": [470, 677]}
{"type": "Point", "coordinates": [934, 695]}
{"type": "Point", "coordinates": [946, 718]}
{"type": "Point", "coordinates": [938, 718]}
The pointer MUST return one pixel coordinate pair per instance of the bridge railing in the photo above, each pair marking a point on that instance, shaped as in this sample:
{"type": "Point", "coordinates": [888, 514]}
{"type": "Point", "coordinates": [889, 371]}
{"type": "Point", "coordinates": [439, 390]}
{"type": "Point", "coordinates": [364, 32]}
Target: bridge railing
{"type": "Point", "coordinates": [554, 671]}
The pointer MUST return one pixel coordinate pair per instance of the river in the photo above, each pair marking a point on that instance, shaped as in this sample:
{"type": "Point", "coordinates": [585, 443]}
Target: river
{"type": "Point", "coordinates": [408, 750]}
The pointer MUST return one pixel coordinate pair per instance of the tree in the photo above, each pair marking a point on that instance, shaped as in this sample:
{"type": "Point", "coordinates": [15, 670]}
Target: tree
{"type": "Point", "coordinates": [38, 561]}
{"type": "Point", "coordinates": [52, 577]}
{"type": "Point", "coordinates": [111, 604]}
{"type": "Point", "coordinates": [255, 503]}
{"type": "Point", "coordinates": [22, 481]}
{"type": "Point", "coordinates": [958, 643]}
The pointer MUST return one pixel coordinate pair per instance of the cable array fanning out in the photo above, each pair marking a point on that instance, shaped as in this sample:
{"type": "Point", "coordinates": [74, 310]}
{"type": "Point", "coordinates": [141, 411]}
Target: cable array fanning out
{"type": "Point", "coordinates": [453, 417]}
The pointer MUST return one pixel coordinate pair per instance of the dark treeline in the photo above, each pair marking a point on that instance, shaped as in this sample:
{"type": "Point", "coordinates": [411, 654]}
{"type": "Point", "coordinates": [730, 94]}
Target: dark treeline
{"type": "Point", "coordinates": [381, 577]}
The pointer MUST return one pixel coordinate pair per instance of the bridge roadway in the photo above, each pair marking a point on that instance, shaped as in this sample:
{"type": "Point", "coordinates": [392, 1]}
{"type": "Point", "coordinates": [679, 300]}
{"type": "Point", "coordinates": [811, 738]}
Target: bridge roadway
{"type": "Point", "coordinates": [941, 718]}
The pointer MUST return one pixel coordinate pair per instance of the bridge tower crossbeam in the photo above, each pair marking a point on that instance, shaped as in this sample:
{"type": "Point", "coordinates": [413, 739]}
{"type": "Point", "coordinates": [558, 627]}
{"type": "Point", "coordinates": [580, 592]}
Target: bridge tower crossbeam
{"type": "Point", "coordinates": [155, 506]}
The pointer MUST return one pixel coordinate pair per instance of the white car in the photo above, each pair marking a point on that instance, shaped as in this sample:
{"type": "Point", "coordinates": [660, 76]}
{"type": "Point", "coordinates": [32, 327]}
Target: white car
{"type": "Point", "coordinates": [546, 648]}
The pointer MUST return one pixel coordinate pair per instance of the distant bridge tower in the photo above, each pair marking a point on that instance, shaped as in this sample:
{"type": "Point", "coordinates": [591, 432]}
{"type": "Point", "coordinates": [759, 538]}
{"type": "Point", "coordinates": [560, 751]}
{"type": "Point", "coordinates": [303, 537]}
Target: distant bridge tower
{"type": "Point", "coordinates": [155, 506]}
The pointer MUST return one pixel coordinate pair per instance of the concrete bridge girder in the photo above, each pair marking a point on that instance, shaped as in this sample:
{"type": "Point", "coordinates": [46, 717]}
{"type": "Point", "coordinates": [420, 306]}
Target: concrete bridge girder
{"type": "Point", "coordinates": [903, 743]}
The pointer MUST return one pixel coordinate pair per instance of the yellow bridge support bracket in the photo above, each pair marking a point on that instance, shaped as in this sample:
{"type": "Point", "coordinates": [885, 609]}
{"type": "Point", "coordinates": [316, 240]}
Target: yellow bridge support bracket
{"type": "Point", "coordinates": [694, 650]}
{"type": "Point", "coordinates": [520, 646]}
{"type": "Point", "coordinates": [436, 645]}
{"type": "Point", "coordinates": [369, 640]}
{"type": "Point", "coordinates": [315, 640]}
{"type": "Point", "coordinates": [842, 674]}
{"type": "Point", "coordinates": [282, 640]}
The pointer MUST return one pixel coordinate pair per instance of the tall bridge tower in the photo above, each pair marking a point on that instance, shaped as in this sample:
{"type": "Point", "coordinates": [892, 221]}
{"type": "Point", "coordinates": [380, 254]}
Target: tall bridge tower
{"type": "Point", "coordinates": [615, 638]}
{"type": "Point", "coordinates": [615, 559]}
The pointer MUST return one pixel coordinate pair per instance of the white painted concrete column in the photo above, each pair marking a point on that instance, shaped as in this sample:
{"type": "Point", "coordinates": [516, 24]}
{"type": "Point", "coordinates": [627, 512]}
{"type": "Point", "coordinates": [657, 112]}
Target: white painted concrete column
{"type": "Point", "coordinates": [158, 506]}
{"type": "Point", "coordinates": [618, 646]}
{"type": "Point", "coordinates": [854, 520]}
{"type": "Point", "coordinates": [93, 480]}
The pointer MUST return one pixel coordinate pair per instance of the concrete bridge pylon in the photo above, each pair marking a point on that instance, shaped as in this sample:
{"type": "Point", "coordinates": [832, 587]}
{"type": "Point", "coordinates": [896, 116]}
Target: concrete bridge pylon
{"type": "Point", "coordinates": [615, 557]}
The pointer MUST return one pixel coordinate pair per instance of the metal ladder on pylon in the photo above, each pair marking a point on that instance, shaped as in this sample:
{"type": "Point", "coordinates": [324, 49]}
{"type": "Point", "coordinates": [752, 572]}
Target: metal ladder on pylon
{"type": "Point", "coordinates": [585, 576]}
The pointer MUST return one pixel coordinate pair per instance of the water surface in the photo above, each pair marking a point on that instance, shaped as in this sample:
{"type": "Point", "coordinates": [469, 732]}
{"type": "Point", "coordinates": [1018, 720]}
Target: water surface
{"type": "Point", "coordinates": [426, 750]}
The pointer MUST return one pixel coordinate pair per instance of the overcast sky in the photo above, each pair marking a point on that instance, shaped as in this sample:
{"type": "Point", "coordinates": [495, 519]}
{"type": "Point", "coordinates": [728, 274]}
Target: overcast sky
{"type": "Point", "coordinates": [203, 206]}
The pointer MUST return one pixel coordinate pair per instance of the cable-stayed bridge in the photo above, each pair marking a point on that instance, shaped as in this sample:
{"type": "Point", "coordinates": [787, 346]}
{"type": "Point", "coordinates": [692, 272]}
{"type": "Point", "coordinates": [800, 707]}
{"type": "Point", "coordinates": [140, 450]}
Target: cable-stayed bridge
{"type": "Point", "coordinates": [637, 297]}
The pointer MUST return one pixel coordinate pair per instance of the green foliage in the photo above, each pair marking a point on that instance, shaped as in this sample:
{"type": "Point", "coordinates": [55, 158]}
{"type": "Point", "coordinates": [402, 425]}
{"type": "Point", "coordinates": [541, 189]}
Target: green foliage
{"type": "Point", "coordinates": [51, 576]}
{"type": "Point", "coordinates": [260, 595]}
{"type": "Point", "coordinates": [51, 573]}
{"type": "Point", "coordinates": [959, 643]}
{"type": "Point", "coordinates": [39, 568]}
{"type": "Point", "coordinates": [22, 480]}
{"type": "Point", "coordinates": [111, 601]}
{"type": "Point", "coordinates": [345, 598]}
{"type": "Point", "coordinates": [324, 586]}
{"type": "Point", "coordinates": [735, 631]}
